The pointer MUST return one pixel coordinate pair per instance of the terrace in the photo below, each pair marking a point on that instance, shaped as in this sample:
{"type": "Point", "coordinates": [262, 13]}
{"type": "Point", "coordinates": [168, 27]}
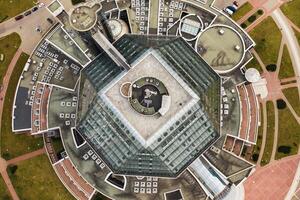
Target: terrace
{"type": "Point", "coordinates": [84, 17]}
{"type": "Point", "coordinates": [221, 47]}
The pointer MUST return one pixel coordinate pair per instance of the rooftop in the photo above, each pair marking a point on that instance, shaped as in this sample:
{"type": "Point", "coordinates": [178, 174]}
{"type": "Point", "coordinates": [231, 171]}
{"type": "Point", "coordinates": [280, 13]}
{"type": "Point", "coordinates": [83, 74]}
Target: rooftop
{"type": "Point", "coordinates": [161, 146]}
{"type": "Point", "coordinates": [149, 65]}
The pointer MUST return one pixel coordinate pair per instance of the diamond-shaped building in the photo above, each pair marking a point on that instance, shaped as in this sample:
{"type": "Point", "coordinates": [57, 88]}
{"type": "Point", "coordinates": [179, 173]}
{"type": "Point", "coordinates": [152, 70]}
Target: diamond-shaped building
{"type": "Point", "coordinates": [131, 136]}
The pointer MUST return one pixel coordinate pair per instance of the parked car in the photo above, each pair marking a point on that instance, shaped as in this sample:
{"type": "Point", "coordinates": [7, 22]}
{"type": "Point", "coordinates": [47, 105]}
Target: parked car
{"type": "Point", "coordinates": [50, 20]}
{"type": "Point", "coordinates": [34, 9]}
{"type": "Point", "coordinates": [228, 11]}
{"type": "Point", "coordinates": [27, 13]}
{"type": "Point", "coordinates": [19, 17]}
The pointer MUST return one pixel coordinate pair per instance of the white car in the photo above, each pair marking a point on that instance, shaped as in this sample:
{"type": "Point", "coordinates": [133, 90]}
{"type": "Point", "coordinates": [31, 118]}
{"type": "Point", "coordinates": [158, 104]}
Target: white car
{"type": "Point", "coordinates": [228, 11]}
{"type": "Point", "coordinates": [41, 5]}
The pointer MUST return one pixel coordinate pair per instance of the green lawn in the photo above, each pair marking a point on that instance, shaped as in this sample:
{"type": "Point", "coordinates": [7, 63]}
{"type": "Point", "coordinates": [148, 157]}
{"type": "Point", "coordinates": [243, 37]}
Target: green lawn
{"type": "Point", "coordinates": [257, 147]}
{"type": "Point", "coordinates": [254, 64]}
{"type": "Point", "coordinates": [11, 8]}
{"type": "Point", "coordinates": [8, 46]}
{"type": "Point", "coordinates": [4, 195]}
{"type": "Point", "coordinates": [36, 179]}
{"type": "Point", "coordinates": [243, 10]}
{"type": "Point", "coordinates": [288, 133]}
{"type": "Point", "coordinates": [292, 96]}
{"type": "Point", "coordinates": [267, 45]}
{"type": "Point", "coordinates": [297, 34]}
{"type": "Point", "coordinates": [286, 66]}
{"type": "Point", "coordinates": [291, 10]}
{"type": "Point", "coordinates": [270, 134]}
{"type": "Point", "coordinates": [13, 145]}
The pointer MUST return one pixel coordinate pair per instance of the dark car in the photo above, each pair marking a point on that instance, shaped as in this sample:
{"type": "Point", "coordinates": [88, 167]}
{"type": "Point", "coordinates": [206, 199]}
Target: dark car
{"type": "Point", "coordinates": [236, 3]}
{"type": "Point", "coordinates": [50, 20]}
{"type": "Point", "coordinates": [34, 9]}
{"type": "Point", "coordinates": [19, 17]}
{"type": "Point", "coordinates": [27, 13]}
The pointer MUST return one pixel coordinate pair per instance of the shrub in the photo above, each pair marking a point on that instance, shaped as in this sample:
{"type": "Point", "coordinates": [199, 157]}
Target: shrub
{"type": "Point", "coordinates": [243, 25]}
{"type": "Point", "coordinates": [6, 155]}
{"type": "Point", "coordinates": [284, 149]}
{"type": "Point", "coordinates": [280, 104]}
{"type": "Point", "coordinates": [260, 12]}
{"type": "Point", "coordinates": [12, 169]}
{"type": "Point", "coordinates": [255, 157]}
{"type": "Point", "coordinates": [252, 18]}
{"type": "Point", "coordinates": [271, 67]}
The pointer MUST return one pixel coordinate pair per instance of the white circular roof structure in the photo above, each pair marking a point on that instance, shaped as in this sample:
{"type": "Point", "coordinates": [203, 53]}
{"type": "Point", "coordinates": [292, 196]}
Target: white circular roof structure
{"type": "Point", "coordinates": [252, 75]}
{"type": "Point", "coordinates": [118, 27]}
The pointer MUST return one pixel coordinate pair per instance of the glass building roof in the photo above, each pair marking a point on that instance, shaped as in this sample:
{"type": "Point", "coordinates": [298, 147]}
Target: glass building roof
{"type": "Point", "coordinates": [178, 146]}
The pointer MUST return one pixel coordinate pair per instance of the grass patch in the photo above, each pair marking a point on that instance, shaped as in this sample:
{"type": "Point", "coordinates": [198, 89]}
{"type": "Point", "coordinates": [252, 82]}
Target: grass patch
{"type": "Point", "coordinates": [9, 9]}
{"type": "Point", "coordinates": [267, 45]}
{"type": "Point", "coordinates": [288, 133]}
{"type": "Point", "coordinates": [254, 64]}
{"type": "Point", "coordinates": [297, 34]}
{"type": "Point", "coordinates": [270, 134]}
{"type": "Point", "coordinates": [35, 179]}
{"type": "Point", "coordinates": [286, 66]}
{"type": "Point", "coordinates": [4, 195]}
{"type": "Point", "coordinates": [13, 145]}
{"type": "Point", "coordinates": [242, 11]}
{"type": "Point", "coordinates": [252, 18]}
{"type": "Point", "coordinates": [256, 149]}
{"type": "Point", "coordinates": [291, 10]}
{"type": "Point", "coordinates": [8, 46]}
{"type": "Point", "coordinates": [57, 145]}
{"type": "Point", "coordinates": [292, 95]}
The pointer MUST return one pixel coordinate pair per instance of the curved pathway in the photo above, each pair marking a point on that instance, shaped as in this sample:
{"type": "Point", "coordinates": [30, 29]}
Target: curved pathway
{"type": "Point", "coordinates": [291, 40]}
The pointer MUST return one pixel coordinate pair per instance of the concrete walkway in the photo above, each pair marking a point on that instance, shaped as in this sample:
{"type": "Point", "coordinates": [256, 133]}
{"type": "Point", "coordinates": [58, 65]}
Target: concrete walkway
{"type": "Point", "coordinates": [26, 156]}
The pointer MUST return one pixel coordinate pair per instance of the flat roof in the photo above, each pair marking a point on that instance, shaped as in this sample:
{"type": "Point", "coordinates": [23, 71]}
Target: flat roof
{"type": "Point", "coordinates": [149, 66]}
{"type": "Point", "coordinates": [22, 110]}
